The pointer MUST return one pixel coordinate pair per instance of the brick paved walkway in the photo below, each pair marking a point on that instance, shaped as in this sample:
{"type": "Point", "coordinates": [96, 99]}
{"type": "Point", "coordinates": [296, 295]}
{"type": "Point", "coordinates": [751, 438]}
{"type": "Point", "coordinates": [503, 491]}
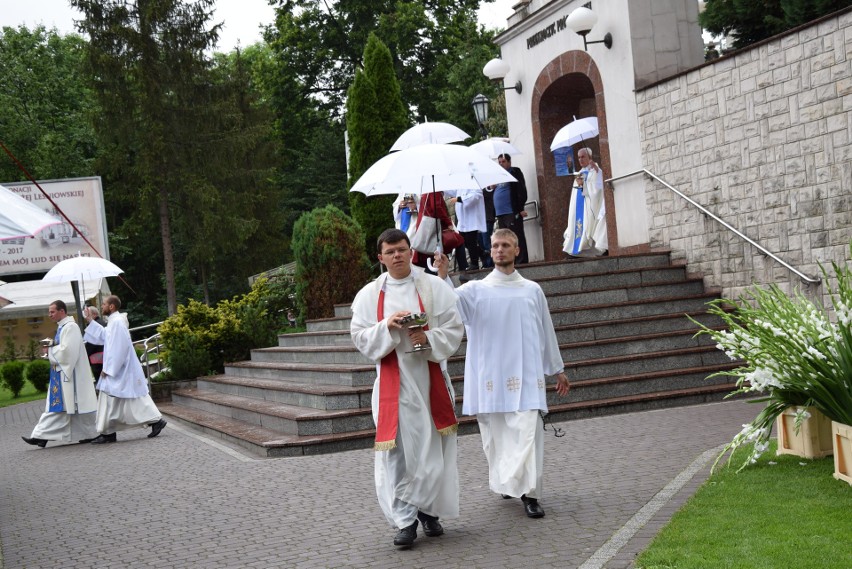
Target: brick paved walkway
{"type": "Point", "coordinates": [181, 501]}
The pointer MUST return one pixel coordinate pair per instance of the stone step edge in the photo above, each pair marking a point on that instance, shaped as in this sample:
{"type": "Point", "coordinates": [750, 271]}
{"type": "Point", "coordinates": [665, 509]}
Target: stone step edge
{"type": "Point", "coordinates": [637, 319]}
{"type": "Point", "coordinates": [282, 410]}
{"type": "Point", "coordinates": [267, 438]}
{"type": "Point", "coordinates": [321, 389]}
{"type": "Point", "coordinates": [313, 389]}
{"type": "Point", "coordinates": [352, 349]}
{"type": "Point", "coordinates": [623, 339]}
{"type": "Point", "coordinates": [709, 294]}
{"type": "Point", "coordinates": [642, 356]}
{"type": "Point", "coordinates": [593, 382]}
{"type": "Point", "coordinates": [672, 284]}
{"type": "Point", "coordinates": [353, 368]}
{"type": "Point", "coordinates": [563, 327]}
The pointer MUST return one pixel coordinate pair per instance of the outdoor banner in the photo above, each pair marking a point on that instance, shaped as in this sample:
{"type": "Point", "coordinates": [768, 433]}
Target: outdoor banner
{"type": "Point", "coordinates": [564, 158]}
{"type": "Point", "coordinates": [82, 201]}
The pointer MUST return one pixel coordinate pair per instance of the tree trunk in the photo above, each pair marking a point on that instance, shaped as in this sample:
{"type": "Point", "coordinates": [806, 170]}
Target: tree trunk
{"type": "Point", "coordinates": [204, 286]}
{"type": "Point", "coordinates": [168, 252]}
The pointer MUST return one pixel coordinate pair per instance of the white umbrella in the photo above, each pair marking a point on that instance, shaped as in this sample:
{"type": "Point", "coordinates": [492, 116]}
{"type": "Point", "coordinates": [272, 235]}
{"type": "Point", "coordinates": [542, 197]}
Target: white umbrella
{"type": "Point", "coordinates": [431, 167]}
{"type": "Point", "coordinates": [574, 132]}
{"type": "Point", "coordinates": [81, 268]}
{"type": "Point", "coordinates": [494, 147]}
{"type": "Point", "coordinates": [20, 218]}
{"type": "Point", "coordinates": [429, 133]}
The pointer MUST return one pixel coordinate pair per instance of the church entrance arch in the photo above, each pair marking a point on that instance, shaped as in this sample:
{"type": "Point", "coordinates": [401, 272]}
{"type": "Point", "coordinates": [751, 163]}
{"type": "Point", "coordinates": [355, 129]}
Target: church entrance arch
{"type": "Point", "coordinates": [568, 86]}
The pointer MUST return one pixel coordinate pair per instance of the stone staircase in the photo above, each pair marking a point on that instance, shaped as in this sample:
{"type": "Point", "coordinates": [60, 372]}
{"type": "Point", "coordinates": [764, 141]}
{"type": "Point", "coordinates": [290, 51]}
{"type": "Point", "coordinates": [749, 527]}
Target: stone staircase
{"type": "Point", "coordinates": [621, 326]}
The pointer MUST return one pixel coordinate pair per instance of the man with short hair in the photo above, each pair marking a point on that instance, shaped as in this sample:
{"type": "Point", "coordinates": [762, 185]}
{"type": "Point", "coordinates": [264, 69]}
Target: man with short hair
{"type": "Point", "coordinates": [509, 201]}
{"type": "Point", "coordinates": [413, 401]}
{"type": "Point", "coordinates": [123, 398]}
{"type": "Point", "coordinates": [511, 348]}
{"type": "Point", "coordinates": [69, 413]}
{"type": "Point", "coordinates": [586, 234]}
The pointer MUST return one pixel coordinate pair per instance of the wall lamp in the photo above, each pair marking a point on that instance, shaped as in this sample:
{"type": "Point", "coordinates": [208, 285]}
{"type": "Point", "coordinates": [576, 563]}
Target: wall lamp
{"type": "Point", "coordinates": [581, 21]}
{"type": "Point", "coordinates": [496, 70]}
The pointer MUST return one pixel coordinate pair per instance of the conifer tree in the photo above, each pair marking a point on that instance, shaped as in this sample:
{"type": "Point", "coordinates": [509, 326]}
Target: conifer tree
{"type": "Point", "coordinates": [375, 117]}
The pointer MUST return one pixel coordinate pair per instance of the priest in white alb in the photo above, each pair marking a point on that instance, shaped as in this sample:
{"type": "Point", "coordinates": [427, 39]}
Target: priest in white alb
{"type": "Point", "coordinates": [511, 349]}
{"type": "Point", "coordinates": [416, 472]}
{"type": "Point", "coordinates": [123, 400]}
{"type": "Point", "coordinates": [69, 413]}
{"type": "Point", "coordinates": [586, 234]}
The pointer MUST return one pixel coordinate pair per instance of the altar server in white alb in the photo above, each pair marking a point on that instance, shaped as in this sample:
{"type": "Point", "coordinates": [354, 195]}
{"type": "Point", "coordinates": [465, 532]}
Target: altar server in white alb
{"type": "Point", "coordinates": [69, 413]}
{"type": "Point", "coordinates": [416, 472]}
{"type": "Point", "coordinates": [511, 348]}
{"type": "Point", "coordinates": [123, 401]}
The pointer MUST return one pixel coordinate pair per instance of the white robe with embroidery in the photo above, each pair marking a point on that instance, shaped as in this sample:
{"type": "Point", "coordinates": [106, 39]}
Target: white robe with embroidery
{"type": "Point", "coordinates": [77, 421]}
{"type": "Point", "coordinates": [421, 472]}
{"type": "Point", "coordinates": [589, 224]}
{"type": "Point", "coordinates": [511, 347]}
{"type": "Point", "coordinates": [123, 401]}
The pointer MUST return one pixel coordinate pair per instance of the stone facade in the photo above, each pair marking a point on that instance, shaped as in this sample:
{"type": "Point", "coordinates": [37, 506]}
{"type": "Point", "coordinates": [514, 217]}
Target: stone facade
{"type": "Point", "coordinates": [763, 139]}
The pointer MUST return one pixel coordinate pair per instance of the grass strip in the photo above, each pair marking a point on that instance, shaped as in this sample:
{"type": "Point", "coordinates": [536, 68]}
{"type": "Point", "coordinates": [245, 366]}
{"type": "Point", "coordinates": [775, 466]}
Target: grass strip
{"type": "Point", "coordinates": [783, 511]}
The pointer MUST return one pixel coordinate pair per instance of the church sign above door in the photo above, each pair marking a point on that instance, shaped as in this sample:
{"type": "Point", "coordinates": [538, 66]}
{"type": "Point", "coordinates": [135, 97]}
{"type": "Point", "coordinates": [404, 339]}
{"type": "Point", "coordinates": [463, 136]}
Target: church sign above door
{"type": "Point", "coordinates": [547, 32]}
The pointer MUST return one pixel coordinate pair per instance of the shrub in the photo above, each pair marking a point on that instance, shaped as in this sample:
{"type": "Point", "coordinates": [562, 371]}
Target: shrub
{"type": "Point", "coordinates": [13, 376]}
{"type": "Point", "coordinates": [10, 351]}
{"type": "Point", "coordinates": [331, 264]}
{"type": "Point", "coordinates": [188, 358]}
{"type": "Point", "coordinates": [38, 374]}
{"type": "Point", "coordinates": [200, 338]}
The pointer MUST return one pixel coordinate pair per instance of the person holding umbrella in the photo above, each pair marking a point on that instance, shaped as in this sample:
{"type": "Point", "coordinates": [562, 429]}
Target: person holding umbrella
{"type": "Point", "coordinates": [123, 402]}
{"type": "Point", "coordinates": [71, 403]}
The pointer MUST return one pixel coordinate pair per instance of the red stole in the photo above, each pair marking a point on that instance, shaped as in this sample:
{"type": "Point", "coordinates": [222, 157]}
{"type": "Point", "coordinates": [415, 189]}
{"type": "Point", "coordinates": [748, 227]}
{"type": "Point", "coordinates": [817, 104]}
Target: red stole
{"type": "Point", "coordinates": [443, 412]}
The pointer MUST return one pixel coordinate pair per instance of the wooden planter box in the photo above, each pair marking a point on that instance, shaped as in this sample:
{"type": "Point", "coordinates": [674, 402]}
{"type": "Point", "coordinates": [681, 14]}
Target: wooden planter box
{"type": "Point", "coordinates": [814, 438]}
{"type": "Point", "coordinates": [842, 439]}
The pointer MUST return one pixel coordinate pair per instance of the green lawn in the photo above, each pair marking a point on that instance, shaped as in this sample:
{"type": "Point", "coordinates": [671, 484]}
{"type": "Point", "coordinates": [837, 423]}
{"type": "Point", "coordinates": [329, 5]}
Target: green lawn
{"type": "Point", "coordinates": [782, 512]}
{"type": "Point", "coordinates": [28, 393]}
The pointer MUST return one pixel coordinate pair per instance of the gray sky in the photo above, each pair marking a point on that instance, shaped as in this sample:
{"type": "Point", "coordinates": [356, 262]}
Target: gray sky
{"type": "Point", "coordinates": [242, 18]}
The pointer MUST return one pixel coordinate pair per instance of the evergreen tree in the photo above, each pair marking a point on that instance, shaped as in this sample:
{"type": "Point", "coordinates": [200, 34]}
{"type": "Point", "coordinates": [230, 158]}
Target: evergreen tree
{"type": "Point", "coordinates": [749, 21]}
{"type": "Point", "coordinates": [150, 76]}
{"type": "Point", "coordinates": [375, 118]}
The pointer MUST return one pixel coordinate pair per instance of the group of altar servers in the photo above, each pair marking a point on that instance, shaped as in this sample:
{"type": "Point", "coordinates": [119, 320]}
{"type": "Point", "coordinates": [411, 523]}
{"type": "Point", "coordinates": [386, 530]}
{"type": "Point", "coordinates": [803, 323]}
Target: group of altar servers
{"type": "Point", "coordinates": [511, 350]}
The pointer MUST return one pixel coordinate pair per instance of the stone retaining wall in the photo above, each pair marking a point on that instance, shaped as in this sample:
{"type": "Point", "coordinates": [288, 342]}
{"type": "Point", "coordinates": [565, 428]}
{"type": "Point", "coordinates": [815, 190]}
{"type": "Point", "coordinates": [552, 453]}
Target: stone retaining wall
{"type": "Point", "coordinates": [762, 139]}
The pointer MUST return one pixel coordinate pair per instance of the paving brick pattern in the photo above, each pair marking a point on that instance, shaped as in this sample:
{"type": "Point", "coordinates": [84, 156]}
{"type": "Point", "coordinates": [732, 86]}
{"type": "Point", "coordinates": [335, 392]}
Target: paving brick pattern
{"type": "Point", "coordinates": [181, 501]}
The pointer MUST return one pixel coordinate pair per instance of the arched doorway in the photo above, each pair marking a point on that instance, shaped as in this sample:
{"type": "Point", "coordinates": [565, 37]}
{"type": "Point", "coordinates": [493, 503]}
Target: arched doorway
{"type": "Point", "coordinates": [568, 86]}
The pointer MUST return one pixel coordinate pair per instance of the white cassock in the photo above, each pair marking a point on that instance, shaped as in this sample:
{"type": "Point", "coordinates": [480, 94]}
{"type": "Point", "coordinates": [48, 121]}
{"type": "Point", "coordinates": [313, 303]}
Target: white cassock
{"type": "Point", "coordinates": [585, 235]}
{"type": "Point", "coordinates": [421, 473]}
{"type": "Point", "coordinates": [69, 413]}
{"type": "Point", "coordinates": [399, 217]}
{"type": "Point", "coordinates": [470, 211]}
{"type": "Point", "coordinates": [123, 401]}
{"type": "Point", "coordinates": [511, 347]}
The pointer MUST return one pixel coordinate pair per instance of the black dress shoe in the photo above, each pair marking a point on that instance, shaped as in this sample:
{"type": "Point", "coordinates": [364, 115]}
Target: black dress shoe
{"type": "Point", "coordinates": [84, 441]}
{"type": "Point", "coordinates": [532, 507]}
{"type": "Point", "coordinates": [406, 536]}
{"type": "Point", "coordinates": [101, 439]}
{"type": "Point", "coordinates": [37, 442]}
{"type": "Point", "coordinates": [506, 496]}
{"type": "Point", "coordinates": [156, 428]}
{"type": "Point", "coordinates": [431, 526]}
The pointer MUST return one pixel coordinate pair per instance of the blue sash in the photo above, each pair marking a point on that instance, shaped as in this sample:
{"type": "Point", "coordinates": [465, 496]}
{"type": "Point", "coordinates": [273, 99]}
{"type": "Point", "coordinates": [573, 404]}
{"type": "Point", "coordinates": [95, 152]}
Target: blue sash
{"type": "Point", "coordinates": [54, 391]}
{"type": "Point", "coordinates": [404, 219]}
{"type": "Point", "coordinates": [579, 221]}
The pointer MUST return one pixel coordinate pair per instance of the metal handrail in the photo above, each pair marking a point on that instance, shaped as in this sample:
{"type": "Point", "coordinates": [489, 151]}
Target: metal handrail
{"type": "Point", "coordinates": [805, 278]}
